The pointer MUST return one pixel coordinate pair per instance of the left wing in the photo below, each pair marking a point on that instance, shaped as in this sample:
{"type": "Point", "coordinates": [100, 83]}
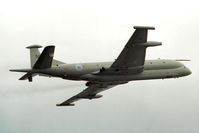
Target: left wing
{"type": "Point", "coordinates": [89, 93]}
{"type": "Point", "coordinates": [132, 56]}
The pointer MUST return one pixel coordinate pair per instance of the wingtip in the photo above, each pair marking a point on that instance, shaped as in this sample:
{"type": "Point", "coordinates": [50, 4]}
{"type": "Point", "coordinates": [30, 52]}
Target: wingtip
{"type": "Point", "coordinates": [57, 104]}
{"type": "Point", "coordinates": [65, 104]}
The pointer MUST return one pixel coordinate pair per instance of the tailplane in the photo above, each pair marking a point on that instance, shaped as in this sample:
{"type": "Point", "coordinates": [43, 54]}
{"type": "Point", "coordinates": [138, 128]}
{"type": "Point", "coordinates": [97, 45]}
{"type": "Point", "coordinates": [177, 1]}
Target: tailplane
{"type": "Point", "coordinates": [28, 75]}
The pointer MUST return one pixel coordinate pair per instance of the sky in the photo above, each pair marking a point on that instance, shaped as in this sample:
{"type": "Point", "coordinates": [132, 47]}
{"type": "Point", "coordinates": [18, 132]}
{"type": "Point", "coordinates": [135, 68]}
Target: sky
{"type": "Point", "coordinates": [94, 31]}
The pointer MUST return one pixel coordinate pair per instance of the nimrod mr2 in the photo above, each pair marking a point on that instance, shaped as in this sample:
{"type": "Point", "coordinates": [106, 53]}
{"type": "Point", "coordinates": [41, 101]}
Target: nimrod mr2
{"type": "Point", "coordinates": [130, 65]}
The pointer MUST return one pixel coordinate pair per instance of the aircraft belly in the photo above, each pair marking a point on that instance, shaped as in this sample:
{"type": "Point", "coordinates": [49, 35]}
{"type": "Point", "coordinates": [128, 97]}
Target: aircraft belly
{"type": "Point", "coordinates": [145, 75]}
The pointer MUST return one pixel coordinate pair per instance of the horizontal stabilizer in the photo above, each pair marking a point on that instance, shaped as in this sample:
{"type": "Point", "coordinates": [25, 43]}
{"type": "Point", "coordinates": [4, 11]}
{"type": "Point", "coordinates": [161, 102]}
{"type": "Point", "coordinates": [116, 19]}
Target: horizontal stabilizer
{"type": "Point", "coordinates": [144, 27]}
{"type": "Point", "coordinates": [21, 70]}
{"type": "Point", "coordinates": [34, 46]}
{"type": "Point", "coordinates": [26, 76]}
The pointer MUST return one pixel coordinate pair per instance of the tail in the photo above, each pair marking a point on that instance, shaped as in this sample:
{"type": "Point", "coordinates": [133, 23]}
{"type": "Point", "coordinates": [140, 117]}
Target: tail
{"type": "Point", "coordinates": [39, 61]}
{"type": "Point", "coordinates": [34, 55]}
{"type": "Point", "coordinates": [45, 59]}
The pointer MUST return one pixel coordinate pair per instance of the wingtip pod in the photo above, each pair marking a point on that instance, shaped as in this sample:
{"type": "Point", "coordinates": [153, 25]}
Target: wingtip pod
{"type": "Point", "coordinates": [65, 104]}
{"type": "Point", "coordinates": [150, 44]}
{"type": "Point", "coordinates": [144, 27]}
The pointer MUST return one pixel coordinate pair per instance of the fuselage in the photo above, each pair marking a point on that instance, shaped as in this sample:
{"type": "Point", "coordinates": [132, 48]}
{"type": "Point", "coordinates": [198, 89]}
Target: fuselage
{"type": "Point", "coordinates": [153, 69]}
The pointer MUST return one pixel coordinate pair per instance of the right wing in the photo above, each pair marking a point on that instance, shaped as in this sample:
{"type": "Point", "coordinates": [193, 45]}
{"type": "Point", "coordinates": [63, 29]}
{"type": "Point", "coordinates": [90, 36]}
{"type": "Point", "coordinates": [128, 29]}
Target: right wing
{"type": "Point", "coordinates": [89, 93]}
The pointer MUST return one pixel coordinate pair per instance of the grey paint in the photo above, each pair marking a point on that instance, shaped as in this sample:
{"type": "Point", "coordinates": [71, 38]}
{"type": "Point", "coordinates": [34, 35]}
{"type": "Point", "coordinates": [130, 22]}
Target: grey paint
{"type": "Point", "coordinates": [129, 66]}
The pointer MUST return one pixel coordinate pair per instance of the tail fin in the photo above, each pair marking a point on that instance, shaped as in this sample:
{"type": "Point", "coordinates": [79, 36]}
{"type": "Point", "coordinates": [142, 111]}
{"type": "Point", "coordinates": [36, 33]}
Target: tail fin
{"type": "Point", "coordinates": [38, 61]}
{"type": "Point", "coordinates": [28, 76]}
{"type": "Point", "coordinates": [34, 55]}
{"type": "Point", "coordinates": [45, 59]}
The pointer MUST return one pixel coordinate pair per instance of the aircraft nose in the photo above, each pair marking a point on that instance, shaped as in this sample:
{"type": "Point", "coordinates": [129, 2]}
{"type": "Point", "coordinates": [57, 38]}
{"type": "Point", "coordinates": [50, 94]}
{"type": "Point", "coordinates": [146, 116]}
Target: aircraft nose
{"type": "Point", "coordinates": [187, 71]}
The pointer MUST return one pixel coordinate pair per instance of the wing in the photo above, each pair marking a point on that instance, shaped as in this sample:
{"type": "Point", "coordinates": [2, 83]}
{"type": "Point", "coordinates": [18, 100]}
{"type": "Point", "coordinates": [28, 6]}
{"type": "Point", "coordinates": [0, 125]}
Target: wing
{"type": "Point", "coordinates": [89, 93]}
{"type": "Point", "coordinates": [133, 54]}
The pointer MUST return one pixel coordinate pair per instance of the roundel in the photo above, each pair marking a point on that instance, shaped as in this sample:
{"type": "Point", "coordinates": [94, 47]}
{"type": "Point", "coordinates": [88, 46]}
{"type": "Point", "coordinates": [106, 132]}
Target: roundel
{"type": "Point", "coordinates": [79, 67]}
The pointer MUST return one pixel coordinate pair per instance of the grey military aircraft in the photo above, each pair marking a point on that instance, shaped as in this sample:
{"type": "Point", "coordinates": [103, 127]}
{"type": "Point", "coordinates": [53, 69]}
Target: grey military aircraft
{"type": "Point", "coordinates": [130, 65]}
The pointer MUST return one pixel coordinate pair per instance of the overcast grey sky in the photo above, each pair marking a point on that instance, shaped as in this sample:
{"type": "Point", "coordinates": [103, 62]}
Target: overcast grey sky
{"type": "Point", "coordinates": [88, 31]}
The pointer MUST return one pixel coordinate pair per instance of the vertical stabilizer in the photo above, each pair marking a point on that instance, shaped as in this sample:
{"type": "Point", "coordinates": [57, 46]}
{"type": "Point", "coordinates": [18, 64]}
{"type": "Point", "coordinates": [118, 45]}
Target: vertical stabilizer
{"type": "Point", "coordinates": [45, 59]}
{"type": "Point", "coordinates": [34, 53]}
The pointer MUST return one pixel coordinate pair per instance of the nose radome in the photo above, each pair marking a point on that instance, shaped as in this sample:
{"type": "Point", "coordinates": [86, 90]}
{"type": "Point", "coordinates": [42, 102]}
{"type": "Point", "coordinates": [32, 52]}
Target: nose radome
{"type": "Point", "coordinates": [187, 71]}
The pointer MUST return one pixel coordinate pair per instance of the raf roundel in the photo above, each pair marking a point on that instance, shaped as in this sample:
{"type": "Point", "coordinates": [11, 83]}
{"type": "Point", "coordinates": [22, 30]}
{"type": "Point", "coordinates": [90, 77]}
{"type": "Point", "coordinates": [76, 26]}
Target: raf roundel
{"type": "Point", "coordinates": [79, 67]}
